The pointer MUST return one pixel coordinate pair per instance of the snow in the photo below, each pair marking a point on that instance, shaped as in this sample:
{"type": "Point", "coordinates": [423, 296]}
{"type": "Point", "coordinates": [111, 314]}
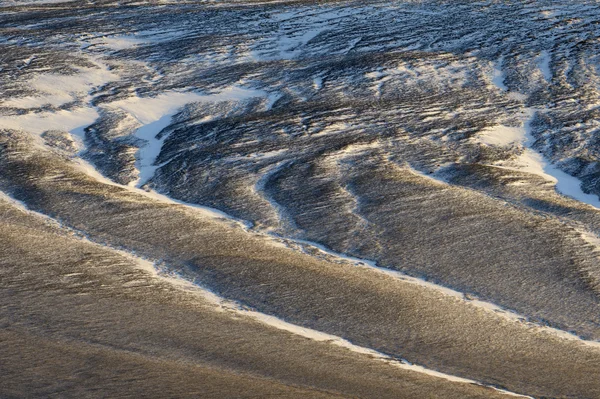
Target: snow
{"type": "Point", "coordinates": [535, 166]}
{"type": "Point", "coordinates": [63, 120]}
{"type": "Point", "coordinates": [498, 79]}
{"type": "Point", "coordinates": [500, 135]}
{"type": "Point", "coordinates": [120, 42]}
{"type": "Point", "coordinates": [126, 41]}
{"type": "Point", "coordinates": [151, 109]}
{"type": "Point", "coordinates": [299, 27]}
{"type": "Point", "coordinates": [57, 89]}
{"type": "Point", "coordinates": [544, 63]}
{"type": "Point", "coordinates": [221, 304]}
{"type": "Point", "coordinates": [565, 183]}
{"type": "Point", "coordinates": [338, 341]}
{"type": "Point", "coordinates": [405, 73]}
{"type": "Point", "coordinates": [354, 149]}
{"type": "Point", "coordinates": [152, 115]}
{"type": "Point", "coordinates": [258, 155]}
{"type": "Point", "coordinates": [498, 75]}
{"type": "Point", "coordinates": [155, 114]}
{"type": "Point", "coordinates": [318, 83]}
{"type": "Point", "coordinates": [333, 128]}
{"type": "Point", "coordinates": [272, 99]}
{"type": "Point", "coordinates": [147, 154]}
{"type": "Point", "coordinates": [290, 46]}
{"type": "Point", "coordinates": [88, 169]}
{"type": "Point", "coordinates": [486, 306]}
{"type": "Point", "coordinates": [531, 161]}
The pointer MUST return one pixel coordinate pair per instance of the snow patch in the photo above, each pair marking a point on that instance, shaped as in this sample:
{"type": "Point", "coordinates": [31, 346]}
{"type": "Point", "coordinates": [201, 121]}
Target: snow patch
{"type": "Point", "coordinates": [151, 109]}
{"type": "Point", "coordinates": [318, 83]}
{"type": "Point", "coordinates": [120, 42]}
{"type": "Point", "coordinates": [544, 64]}
{"type": "Point", "coordinates": [531, 161]}
{"type": "Point", "coordinates": [126, 41]}
{"type": "Point", "coordinates": [155, 114]}
{"type": "Point", "coordinates": [57, 89]}
{"type": "Point", "coordinates": [500, 135]}
{"type": "Point", "coordinates": [565, 183]}
{"type": "Point", "coordinates": [291, 46]}
{"type": "Point", "coordinates": [74, 120]}
{"type": "Point", "coordinates": [297, 28]}
{"type": "Point", "coordinates": [146, 156]}
{"type": "Point", "coordinates": [498, 76]}
{"type": "Point", "coordinates": [271, 100]}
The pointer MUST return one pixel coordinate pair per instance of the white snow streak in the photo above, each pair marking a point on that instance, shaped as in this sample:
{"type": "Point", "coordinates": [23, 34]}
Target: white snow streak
{"type": "Point", "coordinates": [544, 63]}
{"type": "Point", "coordinates": [63, 120]}
{"type": "Point", "coordinates": [155, 114]}
{"type": "Point", "coordinates": [530, 161]}
{"type": "Point", "coordinates": [59, 89]}
{"type": "Point", "coordinates": [222, 304]}
{"type": "Point", "coordinates": [498, 75]}
{"type": "Point", "coordinates": [500, 135]}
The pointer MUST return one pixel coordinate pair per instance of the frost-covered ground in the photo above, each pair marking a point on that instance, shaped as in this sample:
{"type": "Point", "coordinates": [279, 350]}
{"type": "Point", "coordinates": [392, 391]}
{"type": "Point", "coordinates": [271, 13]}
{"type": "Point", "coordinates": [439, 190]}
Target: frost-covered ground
{"type": "Point", "coordinates": [407, 188]}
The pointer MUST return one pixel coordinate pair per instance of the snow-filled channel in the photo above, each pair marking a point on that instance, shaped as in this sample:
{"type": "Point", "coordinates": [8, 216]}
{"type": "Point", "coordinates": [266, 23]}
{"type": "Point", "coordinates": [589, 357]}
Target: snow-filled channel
{"type": "Point", "coordinates": [156, 113]}
{"type": "Point", "coordinates": [531, 161]}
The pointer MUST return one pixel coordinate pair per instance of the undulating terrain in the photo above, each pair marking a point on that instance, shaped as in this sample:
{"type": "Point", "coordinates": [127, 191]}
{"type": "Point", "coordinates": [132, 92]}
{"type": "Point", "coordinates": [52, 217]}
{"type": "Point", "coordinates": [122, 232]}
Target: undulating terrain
{"type": "Point", "coordinates": [300, 199]}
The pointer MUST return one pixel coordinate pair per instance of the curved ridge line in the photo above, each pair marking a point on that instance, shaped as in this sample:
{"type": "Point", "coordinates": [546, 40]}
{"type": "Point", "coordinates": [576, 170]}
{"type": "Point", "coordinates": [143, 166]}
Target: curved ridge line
{"type": "Point", "coordinates": [506, 314]}
{"type": "Point", "coordinates": [223, 304]}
